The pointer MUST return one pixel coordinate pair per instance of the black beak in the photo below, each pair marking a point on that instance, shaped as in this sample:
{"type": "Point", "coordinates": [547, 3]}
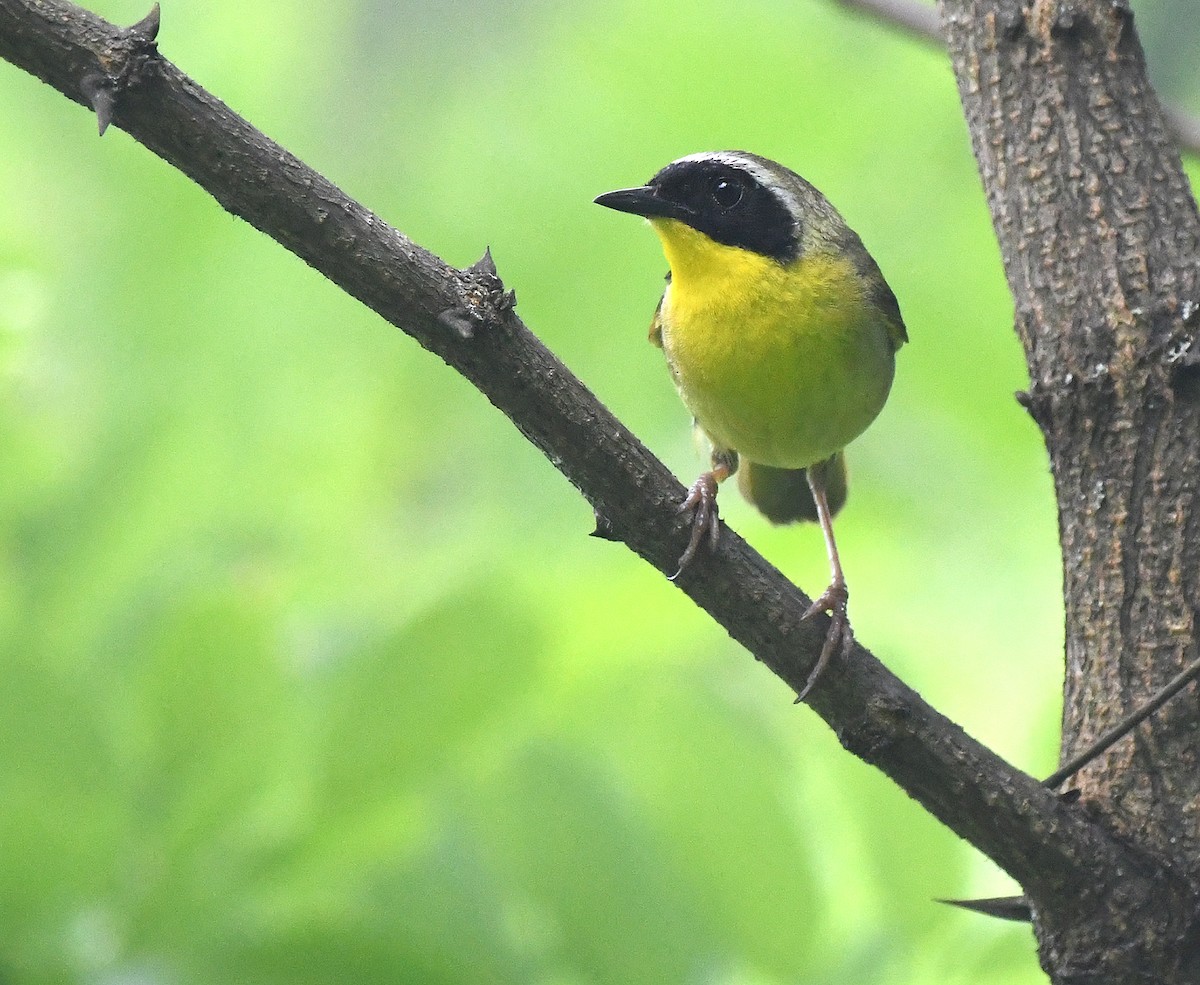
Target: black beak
{"type": "Point", "coordinates": [644, 201]}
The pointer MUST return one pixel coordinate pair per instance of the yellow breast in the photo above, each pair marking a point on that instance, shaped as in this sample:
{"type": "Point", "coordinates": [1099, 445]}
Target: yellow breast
{"type": "Point", "coordinates": [784, 364]}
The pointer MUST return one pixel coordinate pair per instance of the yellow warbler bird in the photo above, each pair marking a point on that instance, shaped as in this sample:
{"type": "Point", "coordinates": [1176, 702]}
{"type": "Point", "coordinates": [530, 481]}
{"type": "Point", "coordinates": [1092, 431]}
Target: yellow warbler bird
{"type": "Point", "coordinates": [780, 334]}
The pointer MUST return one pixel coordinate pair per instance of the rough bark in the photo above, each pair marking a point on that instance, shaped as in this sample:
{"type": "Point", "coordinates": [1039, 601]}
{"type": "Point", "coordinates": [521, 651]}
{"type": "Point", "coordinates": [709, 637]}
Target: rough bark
{"type": "Point", "coordinates": [1101, 243]}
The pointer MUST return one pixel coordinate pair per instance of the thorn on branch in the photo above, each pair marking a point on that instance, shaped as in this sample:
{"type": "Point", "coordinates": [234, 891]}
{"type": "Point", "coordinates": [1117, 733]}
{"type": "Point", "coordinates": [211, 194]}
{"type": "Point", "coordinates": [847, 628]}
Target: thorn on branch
{"type": "Point", "coordinates": [604, 528]}
{"type": "Point", "coordinates": [1036, 404]}
{"type": "Point", "coordinates": [147, 27]}
{"type": "Point", "coordinates": [1002, 907]}
{"type": "Point", "coordinates": [121, 67]}
{"type": "Point", "coordinates": [100, 92]}
{"type": "Point", "coordinates": [485, 265]}
{"type": "Point", "coordinates": [488, 292]}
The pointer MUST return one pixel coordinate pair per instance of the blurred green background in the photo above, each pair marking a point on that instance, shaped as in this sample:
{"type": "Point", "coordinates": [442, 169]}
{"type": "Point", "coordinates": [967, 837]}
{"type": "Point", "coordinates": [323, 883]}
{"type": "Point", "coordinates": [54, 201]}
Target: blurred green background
{"type": "Point", "coordinates": [310, 672]}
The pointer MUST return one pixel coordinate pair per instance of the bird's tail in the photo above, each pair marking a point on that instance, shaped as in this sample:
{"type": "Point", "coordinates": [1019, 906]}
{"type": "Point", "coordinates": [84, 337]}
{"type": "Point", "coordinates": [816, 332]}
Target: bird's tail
{"type": "Point", "coordinates": [783, 496]}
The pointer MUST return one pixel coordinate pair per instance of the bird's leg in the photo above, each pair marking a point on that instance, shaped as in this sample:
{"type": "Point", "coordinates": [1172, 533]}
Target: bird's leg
{"type": "Point", "coordinates": [701, 503]}
{"type": "Point", "coordinates": [834, 599]}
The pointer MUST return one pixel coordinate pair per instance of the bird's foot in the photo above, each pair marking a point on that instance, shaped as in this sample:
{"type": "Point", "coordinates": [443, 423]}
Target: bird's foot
{"type": "Point", "coordinates": [701, 503]}
{"type": "Point", "coordinates": [833, 600]}
{"type": "Point", "coordinates": [839, 635]}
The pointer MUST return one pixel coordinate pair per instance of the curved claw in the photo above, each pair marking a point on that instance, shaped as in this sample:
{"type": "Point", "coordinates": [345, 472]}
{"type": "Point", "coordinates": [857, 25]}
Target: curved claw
{"type": "Point", "coordinates": [701, 502]}
{"type": "Point", "coordinates": [833, 600]}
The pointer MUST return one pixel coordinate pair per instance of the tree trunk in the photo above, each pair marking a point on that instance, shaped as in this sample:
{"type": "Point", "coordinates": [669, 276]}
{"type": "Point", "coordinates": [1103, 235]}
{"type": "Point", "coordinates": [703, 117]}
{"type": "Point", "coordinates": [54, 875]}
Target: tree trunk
{"type": "Point", "coordinates": [1101, 244]}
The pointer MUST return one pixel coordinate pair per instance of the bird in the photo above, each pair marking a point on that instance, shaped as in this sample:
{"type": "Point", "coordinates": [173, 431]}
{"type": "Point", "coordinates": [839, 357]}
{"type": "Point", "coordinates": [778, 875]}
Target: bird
{"type": "Point", "coordinates": [780, 334]}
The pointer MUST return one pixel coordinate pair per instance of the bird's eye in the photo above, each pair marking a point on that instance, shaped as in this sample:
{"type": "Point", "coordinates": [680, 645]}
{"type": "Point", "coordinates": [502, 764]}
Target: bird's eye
{"type": "Point", "coordinates": [726, 192]}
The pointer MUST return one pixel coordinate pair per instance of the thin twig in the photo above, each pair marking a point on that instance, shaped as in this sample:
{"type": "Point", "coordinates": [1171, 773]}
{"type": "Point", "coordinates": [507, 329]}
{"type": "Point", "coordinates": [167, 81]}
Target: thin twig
{"type": "Point", "coordinates": [1124, 726]}
{"type": "Point", "coordinates": [916, 18]}
{"type": "Point", "coordinates": [923, 22]}
{"type": "Point", "coordinates": [1019, 907]}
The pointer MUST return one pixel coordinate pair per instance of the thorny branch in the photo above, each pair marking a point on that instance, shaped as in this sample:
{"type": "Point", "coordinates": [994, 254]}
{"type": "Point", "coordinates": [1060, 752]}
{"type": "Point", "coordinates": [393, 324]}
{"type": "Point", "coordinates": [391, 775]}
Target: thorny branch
{"type": "Point", "coordinates": [466, 317]}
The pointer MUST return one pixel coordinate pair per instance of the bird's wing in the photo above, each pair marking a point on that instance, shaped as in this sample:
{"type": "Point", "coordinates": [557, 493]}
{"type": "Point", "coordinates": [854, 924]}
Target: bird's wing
{"type": "Point", "coordinates": [879, 294]}
{"type": "Point", "coordinates": [656, 321]}
{"type": "Point", "coordinates": [656, 326]}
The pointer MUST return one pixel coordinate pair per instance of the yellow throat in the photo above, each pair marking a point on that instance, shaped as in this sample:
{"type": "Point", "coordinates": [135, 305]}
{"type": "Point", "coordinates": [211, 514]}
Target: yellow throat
{"type": "Point", "coordinates": [783, 363]}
